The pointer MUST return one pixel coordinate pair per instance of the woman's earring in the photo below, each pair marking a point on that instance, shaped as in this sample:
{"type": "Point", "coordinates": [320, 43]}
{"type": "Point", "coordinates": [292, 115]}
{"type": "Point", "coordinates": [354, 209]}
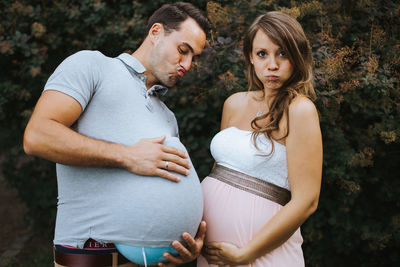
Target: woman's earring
{"type": "Point", "coordinates": [252, 62]}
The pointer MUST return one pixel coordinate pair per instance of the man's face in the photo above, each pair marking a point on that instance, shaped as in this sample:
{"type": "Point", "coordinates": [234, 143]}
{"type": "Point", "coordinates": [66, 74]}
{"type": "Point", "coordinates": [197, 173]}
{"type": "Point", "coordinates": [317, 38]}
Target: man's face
{"type": "Point", "coordinates": [173, 53]}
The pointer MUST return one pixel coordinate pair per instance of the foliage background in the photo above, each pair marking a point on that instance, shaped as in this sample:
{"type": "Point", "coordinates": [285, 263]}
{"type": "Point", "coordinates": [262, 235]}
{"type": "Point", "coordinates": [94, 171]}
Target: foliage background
{"type": "Point", "coordinates": [357, 63]}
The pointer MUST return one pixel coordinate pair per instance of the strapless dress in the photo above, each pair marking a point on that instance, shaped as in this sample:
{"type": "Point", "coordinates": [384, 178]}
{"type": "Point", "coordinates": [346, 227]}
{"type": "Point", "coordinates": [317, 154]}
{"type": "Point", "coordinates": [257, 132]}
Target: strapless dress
{"type": "Point", "coordinates": [236, 216]}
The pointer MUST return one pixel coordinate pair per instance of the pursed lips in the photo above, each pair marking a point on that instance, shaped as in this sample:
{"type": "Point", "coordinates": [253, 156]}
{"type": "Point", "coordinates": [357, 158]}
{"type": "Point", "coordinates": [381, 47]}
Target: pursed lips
{"type": "Point", "coordinates": [181, 72]}
{"type": "Point", "coordinates": [272, 77]}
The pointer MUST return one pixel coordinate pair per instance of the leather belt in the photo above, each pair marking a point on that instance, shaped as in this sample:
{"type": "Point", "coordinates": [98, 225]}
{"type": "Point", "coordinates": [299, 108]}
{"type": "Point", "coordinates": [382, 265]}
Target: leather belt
{"type": "Point", "coordinates": [251, 184]}
{"type": "Point", "coordinates": [89, 260]}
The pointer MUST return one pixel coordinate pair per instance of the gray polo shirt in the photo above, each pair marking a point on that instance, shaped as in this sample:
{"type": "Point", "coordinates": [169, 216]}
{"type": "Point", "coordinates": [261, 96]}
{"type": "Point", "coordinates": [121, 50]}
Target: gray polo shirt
{"type": "Point", "coordinates": [111, 204]}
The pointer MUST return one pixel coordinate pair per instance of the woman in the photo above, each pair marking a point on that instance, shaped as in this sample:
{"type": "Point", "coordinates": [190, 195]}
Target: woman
{"type": "Point", "coordinates": [268, 154]}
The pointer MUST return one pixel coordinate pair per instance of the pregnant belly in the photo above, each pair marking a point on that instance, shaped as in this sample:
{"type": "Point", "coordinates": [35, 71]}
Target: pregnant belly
{"type": "Point", "coordinates": [233, 215]}
{"type": "Point", "coordinates": [137, 210]}
{"type": "Point", "coordinates": [236, 216]}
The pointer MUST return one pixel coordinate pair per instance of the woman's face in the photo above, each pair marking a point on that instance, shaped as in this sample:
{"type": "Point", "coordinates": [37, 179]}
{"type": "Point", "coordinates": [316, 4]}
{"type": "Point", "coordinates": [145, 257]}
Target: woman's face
{"type": "Point", "coordinates": [271, 64]}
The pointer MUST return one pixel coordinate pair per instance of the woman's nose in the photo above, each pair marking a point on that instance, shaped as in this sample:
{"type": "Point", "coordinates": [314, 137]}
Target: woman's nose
{"type": "Point", "coordinates": [272, 64]}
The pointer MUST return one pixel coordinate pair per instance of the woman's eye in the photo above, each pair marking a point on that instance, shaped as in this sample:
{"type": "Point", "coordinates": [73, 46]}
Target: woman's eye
{"type": "Point", "coordinates": [282, 54]}
{"type": "Point", "coordinates": [261, 54]}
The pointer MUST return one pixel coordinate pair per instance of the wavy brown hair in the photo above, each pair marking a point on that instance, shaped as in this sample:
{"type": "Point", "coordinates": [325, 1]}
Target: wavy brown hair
{"type": "Point", "coordinates": [288, 34]}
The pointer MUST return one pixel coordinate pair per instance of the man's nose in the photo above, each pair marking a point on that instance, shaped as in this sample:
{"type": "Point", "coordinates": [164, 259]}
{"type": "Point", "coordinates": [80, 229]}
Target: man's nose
{"type": "Point", "coordinates": [186, 62]}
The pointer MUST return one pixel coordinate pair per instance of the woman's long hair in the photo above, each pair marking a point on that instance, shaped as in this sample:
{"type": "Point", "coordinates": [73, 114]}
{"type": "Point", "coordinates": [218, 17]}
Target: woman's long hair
{"type": "Point", "coordinates": [287, 33]}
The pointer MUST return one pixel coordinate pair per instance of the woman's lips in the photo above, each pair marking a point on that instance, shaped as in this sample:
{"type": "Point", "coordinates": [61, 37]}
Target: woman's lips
{"type": "Point", "coordinates": [272, 77]}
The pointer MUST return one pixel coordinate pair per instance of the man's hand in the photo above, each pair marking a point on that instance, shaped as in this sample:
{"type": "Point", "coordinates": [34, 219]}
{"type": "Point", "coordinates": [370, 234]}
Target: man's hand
{"type": "Point", "coordinates": [150, 157]}
{"type": "Point", "coordinates": [186, 254]}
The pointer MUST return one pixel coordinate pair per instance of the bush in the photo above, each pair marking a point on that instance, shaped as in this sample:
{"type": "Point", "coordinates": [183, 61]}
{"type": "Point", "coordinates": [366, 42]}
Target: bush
{"type": "Point", "coordinates": [356, 51]}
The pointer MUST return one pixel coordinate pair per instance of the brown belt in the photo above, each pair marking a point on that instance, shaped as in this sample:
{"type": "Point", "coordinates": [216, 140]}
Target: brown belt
{"type": "Point", "coordinates": [251, 184]}
{"type": "Point", "coordinates": [89, 260]}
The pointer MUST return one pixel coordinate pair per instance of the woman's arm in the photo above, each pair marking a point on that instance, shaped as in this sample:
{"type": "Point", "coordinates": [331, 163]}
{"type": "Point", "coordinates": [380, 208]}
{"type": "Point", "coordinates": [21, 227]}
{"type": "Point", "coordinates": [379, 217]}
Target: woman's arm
{"type": "Point", "coordinates": [304, 160]}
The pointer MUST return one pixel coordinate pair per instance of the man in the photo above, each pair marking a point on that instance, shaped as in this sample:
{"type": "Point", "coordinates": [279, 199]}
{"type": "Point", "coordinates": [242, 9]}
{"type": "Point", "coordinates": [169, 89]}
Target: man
{"type": "Point", "coordinates": [89, 130]}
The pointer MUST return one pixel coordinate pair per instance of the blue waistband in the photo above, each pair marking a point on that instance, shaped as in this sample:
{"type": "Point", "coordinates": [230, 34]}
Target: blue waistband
{"type": "Point", "coordinates": [145, 255]}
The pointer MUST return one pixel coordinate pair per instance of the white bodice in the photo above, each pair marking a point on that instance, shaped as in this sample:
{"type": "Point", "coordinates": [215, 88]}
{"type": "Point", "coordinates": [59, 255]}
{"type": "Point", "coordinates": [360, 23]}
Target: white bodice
{"type": "Point", "coordinates": [234, 148]}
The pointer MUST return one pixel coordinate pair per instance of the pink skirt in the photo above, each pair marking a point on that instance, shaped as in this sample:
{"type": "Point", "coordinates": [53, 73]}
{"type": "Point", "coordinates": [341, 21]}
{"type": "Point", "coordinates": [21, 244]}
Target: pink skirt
{"type": "Point", "coordinates": [235, 216]}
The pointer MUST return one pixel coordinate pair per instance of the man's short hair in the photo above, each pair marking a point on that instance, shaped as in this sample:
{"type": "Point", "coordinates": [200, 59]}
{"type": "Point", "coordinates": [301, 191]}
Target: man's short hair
{"type": "Point", "coordinates": [172, 15]}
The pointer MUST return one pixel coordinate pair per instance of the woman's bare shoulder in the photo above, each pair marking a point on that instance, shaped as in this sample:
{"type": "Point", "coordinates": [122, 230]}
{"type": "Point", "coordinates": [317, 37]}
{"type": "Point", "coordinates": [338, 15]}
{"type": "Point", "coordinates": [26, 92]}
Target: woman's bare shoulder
{"type": "Point", "coordinates": [302, 111]}
{"type": "Point", "coordinates": [239, 99]}
{"type": "Point", "coordinates": [302, 105]}
{"type": "Point", "coordinates": [236, 98]}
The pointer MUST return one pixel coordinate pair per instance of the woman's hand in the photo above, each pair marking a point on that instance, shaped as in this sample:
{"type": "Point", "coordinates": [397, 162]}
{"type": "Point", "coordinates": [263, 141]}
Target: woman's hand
{"type": "Point", "coordinates": [224, 254]}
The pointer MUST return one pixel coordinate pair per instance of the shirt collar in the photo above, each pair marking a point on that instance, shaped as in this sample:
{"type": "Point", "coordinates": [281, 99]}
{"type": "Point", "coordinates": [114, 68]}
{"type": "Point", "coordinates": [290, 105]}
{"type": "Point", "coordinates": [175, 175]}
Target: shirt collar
{"type": "Point", "coordinates": [132, 62]}
{"type": "Point", "coordinates": [158, 90]}
{"type": "Point", "coordinates": [135, 66]}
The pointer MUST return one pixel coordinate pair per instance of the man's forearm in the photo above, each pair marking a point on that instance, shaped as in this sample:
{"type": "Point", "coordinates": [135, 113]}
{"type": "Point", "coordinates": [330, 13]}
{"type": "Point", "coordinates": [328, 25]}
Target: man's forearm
{"type": "Point", "coordinates": [55, 141]}
{"type": "Point", "coordinates": [58, 143]}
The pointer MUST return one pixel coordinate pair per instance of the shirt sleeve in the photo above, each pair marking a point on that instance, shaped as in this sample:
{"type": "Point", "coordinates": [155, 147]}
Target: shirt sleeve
{"type": "Point", "coordinates": [77, 76]}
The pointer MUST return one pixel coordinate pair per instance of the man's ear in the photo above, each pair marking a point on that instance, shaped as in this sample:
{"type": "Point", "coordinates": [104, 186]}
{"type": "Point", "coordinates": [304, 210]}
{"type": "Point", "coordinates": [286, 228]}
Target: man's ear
{"type": "Point", "coordinates": [156, 31]}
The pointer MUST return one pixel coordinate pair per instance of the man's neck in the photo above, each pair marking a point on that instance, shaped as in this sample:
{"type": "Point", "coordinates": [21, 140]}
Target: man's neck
{"type": "Point", "coordinates": [142, 54]}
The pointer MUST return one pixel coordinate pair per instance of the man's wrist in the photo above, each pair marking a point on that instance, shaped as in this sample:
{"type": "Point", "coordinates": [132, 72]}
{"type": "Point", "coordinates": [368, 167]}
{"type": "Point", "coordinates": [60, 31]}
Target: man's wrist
{"type": "Point", "coordinates": [117, 155]}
